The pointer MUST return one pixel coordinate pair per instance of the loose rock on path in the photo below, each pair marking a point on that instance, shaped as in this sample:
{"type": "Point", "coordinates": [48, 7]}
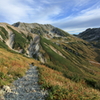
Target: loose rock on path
{"type": "Point", "coordinates": [27, 88]}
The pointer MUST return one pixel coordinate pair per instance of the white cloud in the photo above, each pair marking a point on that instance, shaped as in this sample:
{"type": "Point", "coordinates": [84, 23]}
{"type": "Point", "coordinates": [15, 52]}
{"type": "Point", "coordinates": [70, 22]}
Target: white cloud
{"type": "Point", "coordinates": [81, 2]}
{"type": "Point", "coordinates": [13, 10]}
{"type": "Point", "coordinates": [76, 16]}
{"type": "Point", "coordinates": [85, 19]}
{"type": "Point", "coordinates": [74, 30]}
{"type": "Point", "coordinates": [27, 11]}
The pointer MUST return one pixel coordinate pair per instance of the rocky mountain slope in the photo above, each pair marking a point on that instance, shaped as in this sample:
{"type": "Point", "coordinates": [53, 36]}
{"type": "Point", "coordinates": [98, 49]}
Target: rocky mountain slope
{"type": "Point", "coordinates": [14, 65]}
{"type": "Point", "coordinates": [46, 30]}
{"type": "Point", "coordinates": [20, 41]}
{"type": "Point", "coordinates": [92, 35]}
{"type": "Point", "coordinates": [55, 48]}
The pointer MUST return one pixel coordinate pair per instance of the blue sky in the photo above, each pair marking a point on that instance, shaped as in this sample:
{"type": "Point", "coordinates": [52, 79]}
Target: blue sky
{"type": "Point", "coordinates": [73, 16]}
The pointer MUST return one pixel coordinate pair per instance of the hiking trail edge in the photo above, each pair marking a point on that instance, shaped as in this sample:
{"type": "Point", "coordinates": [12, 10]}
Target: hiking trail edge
{"type": "Point", "coordinates": [27, 87]}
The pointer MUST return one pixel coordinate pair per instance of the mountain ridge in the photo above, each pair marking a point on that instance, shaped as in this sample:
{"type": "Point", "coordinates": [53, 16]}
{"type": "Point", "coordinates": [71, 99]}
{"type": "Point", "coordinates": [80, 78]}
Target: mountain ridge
{"type": "Point", "coordinates": [92, 35]}
{"type": "Point", "coordinates": [35, 27]}
{"type": "Point", "coordinates": [53, 47]}
{"type": "Point", "coordinates": [65, 59]}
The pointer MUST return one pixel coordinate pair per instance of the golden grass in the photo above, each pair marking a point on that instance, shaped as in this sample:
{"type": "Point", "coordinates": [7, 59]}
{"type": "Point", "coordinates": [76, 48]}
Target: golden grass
{"type": "Point", "coordinates": [12, 66]}
{"type": "Point", "coordinates": [75, 91]}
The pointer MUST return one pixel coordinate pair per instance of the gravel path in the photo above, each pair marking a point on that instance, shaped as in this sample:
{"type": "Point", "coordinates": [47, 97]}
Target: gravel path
{"type": "Point", "coordinates": [27, 88]}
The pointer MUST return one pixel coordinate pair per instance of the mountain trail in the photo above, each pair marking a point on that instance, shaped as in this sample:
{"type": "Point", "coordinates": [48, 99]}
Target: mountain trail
{"type": "Point", "coordinates": [27, 87]}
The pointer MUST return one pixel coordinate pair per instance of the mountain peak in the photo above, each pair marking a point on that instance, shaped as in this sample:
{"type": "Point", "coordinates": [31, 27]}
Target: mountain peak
{"type": "Point", "coordinates": [16, 24]}
{"type": "Point", "coordinates": [73, 57]}
{"type": "Point", "coordinates": [46, 30]}
{"type": "Point", "coordinates": [92, 35]}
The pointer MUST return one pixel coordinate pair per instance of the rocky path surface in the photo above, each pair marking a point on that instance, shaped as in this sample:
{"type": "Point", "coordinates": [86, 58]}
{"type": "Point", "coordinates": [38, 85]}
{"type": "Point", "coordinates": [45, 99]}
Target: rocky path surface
{"type": "Point", "coordinates": [27, 88]}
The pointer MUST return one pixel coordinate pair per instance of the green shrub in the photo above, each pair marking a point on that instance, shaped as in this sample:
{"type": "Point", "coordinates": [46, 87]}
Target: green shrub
{"type": "Point", "coordinates": [91, 82]}
{"type": "Point", "coordinates": [29, 38]}
{"type": "Point", "coordinates": [19, 41]}
{"type": "Point", "coordinates": [3, 33]}
{"type": "Point", "coordinates": [1, 75]}
{"type": "Point", "coordinates": [3, 45]}
{"type": "Point", "coordinates": [57, 93]}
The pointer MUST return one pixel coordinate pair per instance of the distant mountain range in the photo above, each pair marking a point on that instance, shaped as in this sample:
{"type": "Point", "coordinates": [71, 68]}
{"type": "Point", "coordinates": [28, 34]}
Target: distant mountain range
{"type": "Point", "coordinates": [92, 35]}
{"type": "Point", "coordinates": [76, 58]}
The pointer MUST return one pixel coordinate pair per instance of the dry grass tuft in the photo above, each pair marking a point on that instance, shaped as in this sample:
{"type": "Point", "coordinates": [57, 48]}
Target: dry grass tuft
{"type": "Point", "coordinates": [12, 66]}
{"type": "Point", "coordinates": [61, 88]}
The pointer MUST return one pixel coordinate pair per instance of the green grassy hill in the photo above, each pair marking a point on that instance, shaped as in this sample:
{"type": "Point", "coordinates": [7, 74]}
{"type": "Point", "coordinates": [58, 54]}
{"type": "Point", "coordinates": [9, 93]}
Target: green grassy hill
{"type": "Point", "coordinates": [70, 70]}
{"type": "Point", "coordinates": [75, 64]}
{"type": "Point", "coordinates": [14, 65]}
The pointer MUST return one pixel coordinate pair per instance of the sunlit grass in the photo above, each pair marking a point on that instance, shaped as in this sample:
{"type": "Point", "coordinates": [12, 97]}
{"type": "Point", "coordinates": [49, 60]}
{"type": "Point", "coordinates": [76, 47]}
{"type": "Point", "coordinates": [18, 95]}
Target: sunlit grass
{"type": "Point", "coordinates": [61, 88]}
{"type": "Point", "coordinates": [12, 66]}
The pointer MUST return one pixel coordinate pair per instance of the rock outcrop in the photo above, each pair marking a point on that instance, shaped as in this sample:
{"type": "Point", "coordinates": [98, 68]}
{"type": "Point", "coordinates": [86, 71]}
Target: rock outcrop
{"type": "Point", "coordinates": [21, 41]}
{"type": "Point", "coordinates": [91, 35]}
{"type": "Point", "coordinates": [47, 30]}
{"type": "Point", "coordinates": [10, 40]}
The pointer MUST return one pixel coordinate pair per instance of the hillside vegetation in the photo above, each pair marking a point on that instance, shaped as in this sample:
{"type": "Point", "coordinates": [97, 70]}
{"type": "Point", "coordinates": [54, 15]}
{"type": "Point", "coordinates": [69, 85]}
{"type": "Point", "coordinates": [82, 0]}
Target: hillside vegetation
{"type": "Point", "coordinates": [74, 64]}
{"type": "Point", "coordinates": [61, 88]}
{"type": "Point", "coordinates": [68, 66]}
{"type": "Point", "coordinates": [14, 65]}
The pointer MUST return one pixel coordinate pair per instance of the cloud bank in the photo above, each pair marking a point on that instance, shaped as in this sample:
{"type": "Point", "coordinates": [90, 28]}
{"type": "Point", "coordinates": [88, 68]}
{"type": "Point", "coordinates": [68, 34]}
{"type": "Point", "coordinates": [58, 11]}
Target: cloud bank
{"type": "Point", "coordinates": [73, 16]}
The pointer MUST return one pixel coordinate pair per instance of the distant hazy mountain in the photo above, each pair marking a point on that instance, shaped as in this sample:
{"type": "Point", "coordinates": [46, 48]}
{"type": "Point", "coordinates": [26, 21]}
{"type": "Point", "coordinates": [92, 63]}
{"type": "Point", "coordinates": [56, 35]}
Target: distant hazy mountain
{"type": "Point", "coordinates": [91, 35]}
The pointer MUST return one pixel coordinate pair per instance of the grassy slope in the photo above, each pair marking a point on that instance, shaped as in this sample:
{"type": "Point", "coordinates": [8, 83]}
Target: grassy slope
{"type": "Point", "coordinates": [14, 65]}
{"type": "Point", "coordinates": [61, 88]}
{"type": "Point", "coordinates": [76, 66]}
{"type": "Point", "coordinates": [3, 33]}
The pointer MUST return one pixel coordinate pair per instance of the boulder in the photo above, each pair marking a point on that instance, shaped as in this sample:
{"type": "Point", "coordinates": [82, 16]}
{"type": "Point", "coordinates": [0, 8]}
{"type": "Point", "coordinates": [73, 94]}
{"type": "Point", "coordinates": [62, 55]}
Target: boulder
{"type": "Point", "coordinates": [6, 88]}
